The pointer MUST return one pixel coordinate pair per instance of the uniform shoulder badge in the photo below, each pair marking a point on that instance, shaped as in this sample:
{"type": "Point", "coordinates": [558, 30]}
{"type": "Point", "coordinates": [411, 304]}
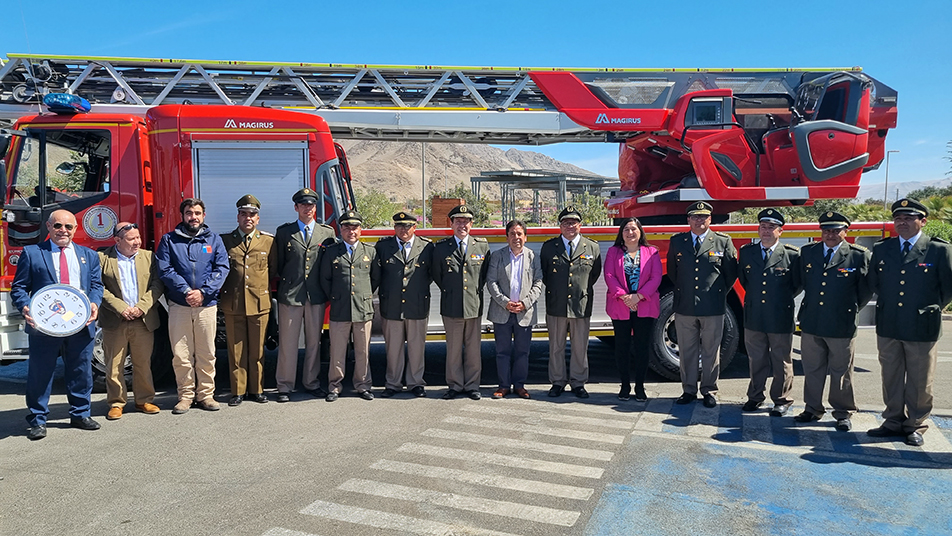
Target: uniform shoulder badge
{"type": "Point", "coordinates": [937, 239]}
{"type": "Point", "coordinates": [857, 247]}
{"type": "Point", "coordinates": [791, 248]}
{"type": "Point", "coordinates": [749, 245]}
{"type": "Point", "coordinates": [447, 239]}
{"type": "Point", "coordinates": [724, 235]}
{"type": "Point", "coordinates": [423, 238]}
{"type": "Point", "coordinates": [266, 233]}
{"type": "Point", "coordinates": [478, 239]}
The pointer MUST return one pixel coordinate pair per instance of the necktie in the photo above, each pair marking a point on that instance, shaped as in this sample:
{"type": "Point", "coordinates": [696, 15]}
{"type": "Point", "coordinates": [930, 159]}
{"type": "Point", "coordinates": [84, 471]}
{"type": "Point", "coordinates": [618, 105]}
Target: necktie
{"type": "Point", "coordinates": [64, 267]}
{"type": "Point", "coordinates": [571, 249]}
{"type": "Point", "coordinates": [906, 246]}
{"type": "Point", "coordinates": [766, 254]}
{"type": "Point", "coordinates": [829, 255]}
{"type": "Point", "coordinates": [405, 246]}
{"type": "Point", "coordinates": [350, 252]}
{"type": "Point", "coordinates": [462, 249]}
{"type": "Point", "coordinates": [307, 234]}
{"type": "Point", "coordinates": [697, 244]}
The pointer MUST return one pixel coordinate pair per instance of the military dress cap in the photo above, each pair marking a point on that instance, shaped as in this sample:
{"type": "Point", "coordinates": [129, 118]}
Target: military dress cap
{"type": "Point", "coordinates": [700, 208]}
{"type": "Point", "coordinates": [909, 206]}
{"type": "Point", "coordinates": [305, 195]}
{"type": "Point", "coordinates": [771, 215]}
{"type": "Point", "coordinates": [403, 217]}
{"type": "Point", "coordinates": [249, 202]}
{"type": "Point", "coordinates": [351, 217]}
{"type": "Point", "coordinates": [461, 211]}
{"type": "Point", "coordinates": [834, 220]}
{"type": "Point", "coordinates": [570, 212]}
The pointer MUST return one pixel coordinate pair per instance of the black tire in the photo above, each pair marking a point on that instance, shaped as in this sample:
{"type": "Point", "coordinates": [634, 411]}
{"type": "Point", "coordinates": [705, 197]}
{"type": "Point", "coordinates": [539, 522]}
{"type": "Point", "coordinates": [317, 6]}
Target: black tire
{"type": "Point", "coordinates": [664, 358]}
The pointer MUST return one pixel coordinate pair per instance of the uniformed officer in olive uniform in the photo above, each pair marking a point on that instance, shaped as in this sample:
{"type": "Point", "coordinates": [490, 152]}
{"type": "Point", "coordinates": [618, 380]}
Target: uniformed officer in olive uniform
{"type": "Point", "coordinates": [460, 266]}
{"type": "Point", "coordinates": [571, 264]}
{"type": "Point", "coordinates": [835, 288]}
{"type": "Point", "coordinates": [770, 274]}
{"type": "Point", "coordinates": [702, 264]}
{"type": "Point", "coordinates": [349, 276]}
{"type": "Point", "coordinates": [300, 299]}
{"type": "Point", "coordinates": [912, 275]}
{"type": "Point", "coordinates": [246, 301]}
{"type": "Point", "coordinates": [405, 278]}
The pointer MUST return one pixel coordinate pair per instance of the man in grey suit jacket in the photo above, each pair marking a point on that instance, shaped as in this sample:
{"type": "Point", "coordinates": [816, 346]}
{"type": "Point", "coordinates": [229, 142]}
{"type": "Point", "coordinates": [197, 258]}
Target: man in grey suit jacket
{"type": "Point", "coordinates": [515, 284]}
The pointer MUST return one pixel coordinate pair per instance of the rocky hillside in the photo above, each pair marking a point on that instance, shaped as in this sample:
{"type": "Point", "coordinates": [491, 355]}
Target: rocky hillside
{"type": "Point", "coordinates": [395, 167]}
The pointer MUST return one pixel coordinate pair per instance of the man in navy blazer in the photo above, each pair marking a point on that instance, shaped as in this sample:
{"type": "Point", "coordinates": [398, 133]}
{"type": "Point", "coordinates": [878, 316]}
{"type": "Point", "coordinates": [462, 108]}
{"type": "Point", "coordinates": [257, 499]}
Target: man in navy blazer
{"type": "Point", "coordinates": [38, 267]}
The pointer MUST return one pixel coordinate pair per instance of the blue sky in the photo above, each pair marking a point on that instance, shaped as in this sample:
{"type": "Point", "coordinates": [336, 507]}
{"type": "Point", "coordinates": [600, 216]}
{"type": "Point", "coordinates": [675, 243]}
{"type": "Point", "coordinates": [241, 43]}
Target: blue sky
{"type": "Point", "coordinates": [904, 44]}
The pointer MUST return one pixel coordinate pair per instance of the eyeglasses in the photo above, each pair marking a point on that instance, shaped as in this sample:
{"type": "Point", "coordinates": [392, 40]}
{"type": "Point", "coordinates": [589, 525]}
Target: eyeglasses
{"type": "Point", "coordinates": [69, 226]}
{"type": "Point", "coordinates": [124, 228]}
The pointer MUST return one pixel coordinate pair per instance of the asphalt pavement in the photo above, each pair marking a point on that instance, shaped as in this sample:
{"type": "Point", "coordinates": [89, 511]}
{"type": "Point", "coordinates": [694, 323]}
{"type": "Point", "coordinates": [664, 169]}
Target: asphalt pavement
{"type": "Point", "coordinates": [434, 467]}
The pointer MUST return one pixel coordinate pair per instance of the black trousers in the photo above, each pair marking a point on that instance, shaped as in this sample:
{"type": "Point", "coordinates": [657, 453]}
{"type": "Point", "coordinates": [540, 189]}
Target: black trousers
{"type": "Point", "coordinates": [631, 341]}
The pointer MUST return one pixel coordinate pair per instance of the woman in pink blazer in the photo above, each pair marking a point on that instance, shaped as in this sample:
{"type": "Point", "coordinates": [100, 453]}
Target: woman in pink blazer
{"type": "Point", "coordinates": [633, 273]}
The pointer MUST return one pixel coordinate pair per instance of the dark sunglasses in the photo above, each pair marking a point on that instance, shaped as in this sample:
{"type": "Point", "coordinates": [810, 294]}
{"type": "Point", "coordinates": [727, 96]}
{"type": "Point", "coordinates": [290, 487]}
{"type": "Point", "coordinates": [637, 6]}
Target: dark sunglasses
{"type": "Point", "coordinates": [69, 226]}
{"type": "Point", "coordinates": [124, 228]}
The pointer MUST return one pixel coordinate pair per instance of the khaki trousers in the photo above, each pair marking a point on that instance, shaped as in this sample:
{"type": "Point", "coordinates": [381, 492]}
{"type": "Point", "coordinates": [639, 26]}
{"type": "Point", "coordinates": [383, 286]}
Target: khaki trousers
{"type": "Point", "coordinates": [908, 372]}
{"type": "Point", "coordinates": [699, 336]}
{"type": "Point", "coordinates": [833, 356]}
{"type": "Point", "coordinates": [463, 370]}
{"type": "Point", "coordinates": [192, 334]}
{"type": "Point", "coordinates": [246, 352]}
{"type": "Point", "coordinates": [340, 336]}
{"type": "Point", "coordinates": [290, 320]}
{"type": "Point", "coordinates": [766, 352]}
{"type": "Point", "coordinates": [133, 337]}
{"type": "Point", "coordinates": [578, 328]}
{"type": "Point", "coordinates": [395, 332]}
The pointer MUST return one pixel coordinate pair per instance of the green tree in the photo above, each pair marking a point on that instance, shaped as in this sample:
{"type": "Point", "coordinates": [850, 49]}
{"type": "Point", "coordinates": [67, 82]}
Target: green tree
{"type": "Point", "coordinates": [929, 191]}
{"type": "Point", "coordinates": [375, 208]}
{"type": "Point", "coordinates": [592, 208]}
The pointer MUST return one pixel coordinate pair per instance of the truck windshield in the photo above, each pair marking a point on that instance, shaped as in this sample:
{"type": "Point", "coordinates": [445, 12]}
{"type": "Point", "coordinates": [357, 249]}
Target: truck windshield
{"type": "Point", "coordinates": [77, 167]}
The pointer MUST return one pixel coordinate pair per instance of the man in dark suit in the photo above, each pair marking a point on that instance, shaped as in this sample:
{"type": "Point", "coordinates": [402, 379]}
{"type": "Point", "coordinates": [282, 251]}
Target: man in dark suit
{"type": "Point", "coordinates": [912, 275]}
{"type": "Point", "coordinates": [460, 264]}
{"type": "Point", "coordinates": [770, 274]}
{"type": "Point", "coordinates": [128, 318]}
{"type": "Point", "coordinates": [405, 278]}
{"type": "Point", "coordinates": [300, 300]}
{"type": "Point", "coordinates": [58, 260]}
{"type": "Point", "coordinates": [349, 276]}
{"type": "Point", "coordinates": [246, 301]}
{"type": "Point", "coordinates": [571, 264]}
{"type": "Point", "coordinates": [835, 288]}
{"type": "Point", "coordinates": [702, 264]}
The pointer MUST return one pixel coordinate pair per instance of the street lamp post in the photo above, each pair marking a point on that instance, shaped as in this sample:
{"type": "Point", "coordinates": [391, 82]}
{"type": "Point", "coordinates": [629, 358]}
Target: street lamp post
{"type": "Point", "coordinates": [886, 187]}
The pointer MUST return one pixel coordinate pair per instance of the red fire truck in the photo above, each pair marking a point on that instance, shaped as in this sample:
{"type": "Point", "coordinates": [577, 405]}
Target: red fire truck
{"type": "Point", "coordinates": [161, 130]}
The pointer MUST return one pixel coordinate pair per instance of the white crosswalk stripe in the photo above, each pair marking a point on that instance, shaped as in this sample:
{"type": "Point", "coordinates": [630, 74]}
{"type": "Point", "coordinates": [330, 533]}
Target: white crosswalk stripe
{"type": "Point", "coordinates": [536, 514]}
{"type": "Point", "coordinates": [482, 479]}
{"type": "Point", "coordinates": [503, 460]}
{"type": "Point", "coordinates": [390, 521]}
{"type": "Point", "coordinates": [548, 448]}
{"type": "Point", "coordinates": [549, 416]}
{"type": "Point", "coordinates": [541, 430]}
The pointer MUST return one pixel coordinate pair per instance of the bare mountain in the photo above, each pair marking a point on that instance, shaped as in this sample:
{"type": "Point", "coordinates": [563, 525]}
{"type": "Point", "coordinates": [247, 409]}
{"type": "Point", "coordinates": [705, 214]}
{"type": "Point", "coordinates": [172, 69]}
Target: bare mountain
{"type": "Point", "coordinates": [875, 190]}
{"type": "Point", "coordinates": [394, 167]}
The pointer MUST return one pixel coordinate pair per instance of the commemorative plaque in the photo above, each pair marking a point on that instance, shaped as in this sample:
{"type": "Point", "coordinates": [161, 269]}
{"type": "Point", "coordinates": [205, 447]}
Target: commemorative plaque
{"type": "Point", "coordinates": [59, 310]}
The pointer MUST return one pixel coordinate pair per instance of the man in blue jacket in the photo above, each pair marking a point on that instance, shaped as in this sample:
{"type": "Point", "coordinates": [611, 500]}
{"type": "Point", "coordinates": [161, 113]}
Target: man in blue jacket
{"type": "Point", "coordinates": [193, 264]}
{"type": "Point", "coordinates": [58, 260]}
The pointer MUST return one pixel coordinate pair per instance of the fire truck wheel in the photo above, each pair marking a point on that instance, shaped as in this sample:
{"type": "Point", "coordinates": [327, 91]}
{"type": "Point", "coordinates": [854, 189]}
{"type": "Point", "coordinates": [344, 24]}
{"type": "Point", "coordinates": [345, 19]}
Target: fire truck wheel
{"type": "Point", "coordinates": [664, 341]}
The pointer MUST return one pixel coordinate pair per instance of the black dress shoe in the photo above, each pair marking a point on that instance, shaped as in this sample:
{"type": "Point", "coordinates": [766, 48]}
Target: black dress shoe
{"type": "Point", "coordinates": [317, 393]}
{"type": "Point", "coordinates": [283, 397]}
{"type": "Point", "coordinates": [685, 398]}
{"type": "Point", "coordinates": [366, 394]}
{"type": "Point", "coordinates": [752, 405]}
{"type": "Point", "coordinates": [710, 401]}
{"type": "Point", "coordinates": [779, 410]}
{"type": "Point", "coordinates": [640, 394]}
{"type": "Point", "coordinates": [331, 397]}
{"type": "Point", "coordinates": [844, 425]}
{"type": "Point", "coordinates": [556, 390]}
{"type": "Point", "coordinates": [882, 431]}
{"type": "Point", "coordinates": [806, 416]}
{"type": "Point", "coordinates": [235, 400]}
{"type": "Point", "coordinates": [915, 439]}
{"type": "Point", "coordinates": [580, 391]}
{"type": "Point", "coordinates": [387, 393]}
{"type": "Point", "coordinates": [419, 391]}
{"type": "Point", "coordinates": [474, 394]}
{"type": "Point", "coordinates": [257, 397]}
{"type": "Point", "coordinates": [450, 394]}
{"type": "Point", "coordinates": [624, 393]}
{"type": "Point", "coordinates": [36, 432]}
{"type": "Point", "coordinates": [84, 423]}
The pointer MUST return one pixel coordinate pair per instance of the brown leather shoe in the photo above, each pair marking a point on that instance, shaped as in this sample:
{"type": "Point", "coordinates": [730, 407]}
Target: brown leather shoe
{"type": "Point", "coordinates": [500, 393]}
{"type": "Point", "coordinates": [521, 391]}
{"type": "Point", "coordinates": [148, 408]}
{"type": "Point", "coordinates": [114, 413]}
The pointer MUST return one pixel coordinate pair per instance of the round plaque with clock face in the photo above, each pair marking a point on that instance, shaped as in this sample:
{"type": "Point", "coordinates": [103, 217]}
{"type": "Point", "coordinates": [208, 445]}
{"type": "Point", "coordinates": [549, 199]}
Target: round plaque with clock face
{"type": "Point", "coordinates": [59, 310]}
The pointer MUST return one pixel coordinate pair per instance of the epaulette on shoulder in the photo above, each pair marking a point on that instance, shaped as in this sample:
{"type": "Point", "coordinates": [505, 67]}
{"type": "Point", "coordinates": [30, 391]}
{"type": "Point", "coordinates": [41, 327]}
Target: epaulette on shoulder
{"type": "Point", "coordinates": [386, 238]}
{"type": "Point", "coordinates": [750, 245]}
{"type": "Point", "coordinates": [266, 233]}
{"type": "Point", "coordinates": [479, 239]}
{"type": "Point", "coordinates": [939, 240]}
{"type": "Point", "coordinates": [447, 239]}
{"type": "Point", "coordinates": [724, 235]}
{"type": "Point", "coordinates": [423, 238]}
{"type": "Point", "coordinates": [326, 226]}
{"type": "Point", "coordinates": [857, 247]}
{"type": "Point", "coordinates": [283, 225]}
{"type": "Point", "coordinates": [791, 248]}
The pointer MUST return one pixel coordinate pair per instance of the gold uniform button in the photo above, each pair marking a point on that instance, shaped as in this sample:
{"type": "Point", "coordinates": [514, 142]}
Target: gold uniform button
{"type": "Point", "coordinates": [824, 274]}
{"type": "Point", "coordinates": [763, 292]}
{"type": "Point", "coordinates": [763, 301]}
{"type": "Point", "coordinates": [404, 301]}
{"type": "Point", "coordinates": [822, 293]}
{"type": "Point", "coordinates": [696, 288]}
{"type": "Point", "coordinates": [570, 285]}
{"type": "Point", "coordinates": [902, 293]}
{"type": "Point", "coordinates": [821, 303]}
{"type": "Point", "coordinates": [465, 288]}
{"type": "Point", "coordinates": [823, 284]}
{"type": "Point", "coordinates": [900, 304]}
{"type": "Point", "coordinates": [695, 279]}
{"type": "Point", "coordinates": [765, 281]}
{"type": "Point", "coordinates": [570, 274]}
{"type": "Point", "coordinates": [902, 271]}
{"type": "Point", "coordinates": [902, 282]}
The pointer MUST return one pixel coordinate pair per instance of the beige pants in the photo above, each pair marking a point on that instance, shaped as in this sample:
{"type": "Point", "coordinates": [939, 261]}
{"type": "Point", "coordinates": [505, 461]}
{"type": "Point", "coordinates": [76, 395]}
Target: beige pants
{"type": "Point", "coordinates": [766, 352]}
{"type": "Point", "coordinates": [699, 336]}
{"type": "Point", "coordinates": [908, 372]}
{"type": "Point", "coordinates": [192, 334]}
{"type": "Point", "coordinates": [246, 352]}
{"type": "Point", "coordinates": [833, 356]}
{"type": "Point", "coordinates": [578, 328]}
{"type": "Point", "coordinates": [136, 339]}
{"type": "Point", "coordinates": [464, 361]}
{"type": "Point", "coordinates": [395, 332]}
{"type": "Point", "coordinates": [290, 320]}
{"type": "Point", "coordinates": [340, 336]}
